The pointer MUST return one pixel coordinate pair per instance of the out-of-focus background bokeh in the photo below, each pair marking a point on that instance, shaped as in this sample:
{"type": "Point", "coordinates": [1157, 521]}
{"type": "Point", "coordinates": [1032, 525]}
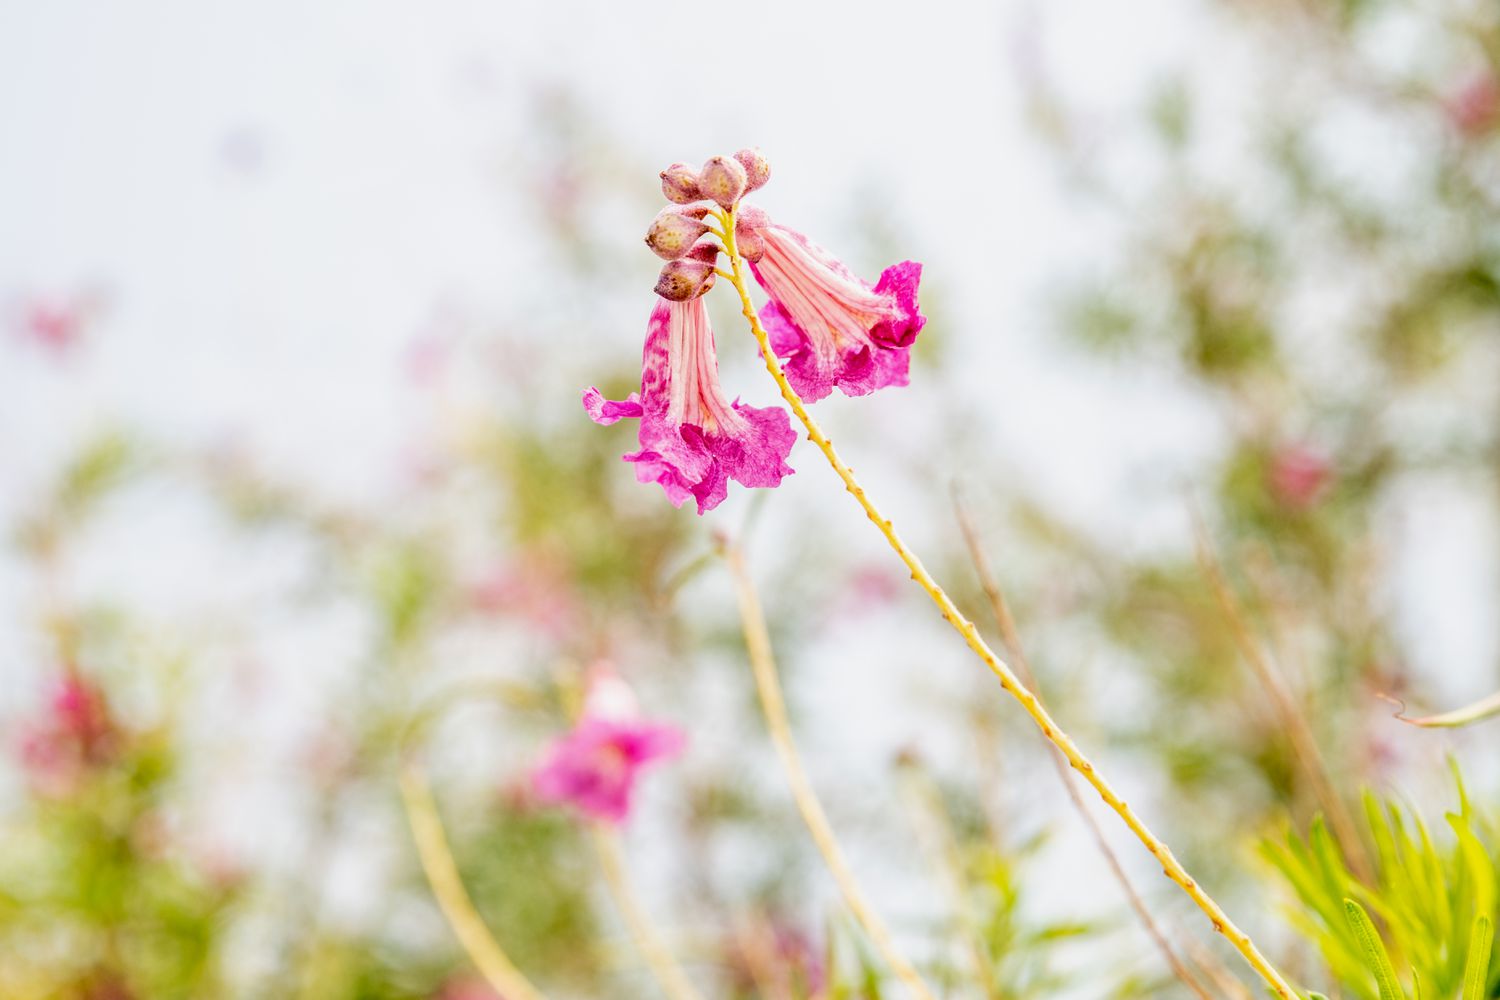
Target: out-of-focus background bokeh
{"type": "Point", "coordinates": [296, 305]}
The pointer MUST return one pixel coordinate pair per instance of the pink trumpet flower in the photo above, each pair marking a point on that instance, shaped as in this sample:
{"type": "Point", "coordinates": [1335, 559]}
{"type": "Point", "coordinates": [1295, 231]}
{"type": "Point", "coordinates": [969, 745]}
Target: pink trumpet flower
{"type": "Point", "coordinates": [831, 328]}
{"type": "Point", "coordinates": [693, 439]}
{"type": "Point", "coordinates": [596, 766]}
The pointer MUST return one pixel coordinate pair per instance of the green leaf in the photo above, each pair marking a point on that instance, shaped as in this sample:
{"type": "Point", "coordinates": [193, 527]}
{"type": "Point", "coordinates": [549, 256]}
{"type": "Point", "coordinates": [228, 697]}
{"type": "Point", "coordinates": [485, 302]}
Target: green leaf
{"type": "Point", "coordinates": [1375, 954]}
{"type": "Point", "coordinates": [1476, 971]}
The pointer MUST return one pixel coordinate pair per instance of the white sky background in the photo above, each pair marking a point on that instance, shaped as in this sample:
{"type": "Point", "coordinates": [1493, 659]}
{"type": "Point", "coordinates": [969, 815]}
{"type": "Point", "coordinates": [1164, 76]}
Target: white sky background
{"type": "Point", "coordinates": [275, 306]}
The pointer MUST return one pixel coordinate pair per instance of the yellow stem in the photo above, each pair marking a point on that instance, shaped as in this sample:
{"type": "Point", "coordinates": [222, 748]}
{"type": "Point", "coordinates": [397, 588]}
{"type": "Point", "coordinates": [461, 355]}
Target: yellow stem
{"type": "Point", "coordinates": [612, 860]}
{"type": "Point", "coordinates": [1008, 680]}
{"type": "Point", "coordinates": [1011, 635]}
{"type": "Point", "coordinates": [763, 666]}
{"type": "Point", "coordinates": [442, 875]}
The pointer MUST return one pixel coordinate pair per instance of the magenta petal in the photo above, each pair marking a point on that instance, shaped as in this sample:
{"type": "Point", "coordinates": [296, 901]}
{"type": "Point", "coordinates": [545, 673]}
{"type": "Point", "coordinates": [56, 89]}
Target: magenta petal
{"type": "Point", "coordinates": [830, 328]}
{"type": "Point", "coordinates": [595, 767]}
{"type": "Point", "coordinates": [757, 458]}
{"type": "Point", "coordinates": [651, 467]}
{"type": "Point", "coordinates": [811, 378]}
{"type": "Point", "coordinates": [900, 280]}
{"type": "Point", "coordinates": [878, 369]}
{"type": "Point", "coordinates": [693, 441]}
{"type": "Point", "coordinates": [608, 411]}
{"type": "Point", "coordinates": [646, 742]}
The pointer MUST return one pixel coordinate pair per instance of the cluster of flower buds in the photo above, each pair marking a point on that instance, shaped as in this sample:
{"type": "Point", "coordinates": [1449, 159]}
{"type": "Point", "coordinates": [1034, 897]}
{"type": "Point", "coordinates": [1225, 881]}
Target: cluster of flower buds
{"type": "Point", "coordinates": [679, 235]}
{"type": "Point", "coordinates": [830, 328]}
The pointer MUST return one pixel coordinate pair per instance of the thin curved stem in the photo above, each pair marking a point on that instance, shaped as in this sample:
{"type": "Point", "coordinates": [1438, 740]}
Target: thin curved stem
{"type": "Point", "coordinates": [773, 705]}
{"type": "Point", "coordinates": [1008, 680]}
{"type": "Point", "coordinates": [674, 982]}
{"type": "Point", "coordinates": [442, 875]}
{"type": "Point", "coordinates": [1482, 709]}
{"type": "Point", "coordinates": [1011, 635]}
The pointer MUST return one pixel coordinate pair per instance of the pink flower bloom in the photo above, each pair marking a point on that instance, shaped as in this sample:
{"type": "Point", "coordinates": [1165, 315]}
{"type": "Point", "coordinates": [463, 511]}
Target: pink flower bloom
{"type": "Point", "coordinates": [1299, 476]}
{"type": "Point", "coordinates": [832, 329]}
{"type": "Point", "coordinates": [56, 326]}
{"type": "Point", "coordinates": [74, 734]}
{"type": "Point", "coordinates": [595, 767]}
{"type": "Point", "coordinates": [1474, 108]}
{"type": "Point", "coordinates": [693, 439]}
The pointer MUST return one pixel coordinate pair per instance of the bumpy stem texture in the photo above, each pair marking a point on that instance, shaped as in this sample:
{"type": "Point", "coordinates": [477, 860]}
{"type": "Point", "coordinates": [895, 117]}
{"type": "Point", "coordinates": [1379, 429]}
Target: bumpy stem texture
{"type": "Point", "coordinates": [1011, 635]}
{"type": "Point", "coordinates": [1008, 680]}
{"type": "Point", "coordinates": [763, 666]}
{"type": "Point", "coordinates": [442, 875]}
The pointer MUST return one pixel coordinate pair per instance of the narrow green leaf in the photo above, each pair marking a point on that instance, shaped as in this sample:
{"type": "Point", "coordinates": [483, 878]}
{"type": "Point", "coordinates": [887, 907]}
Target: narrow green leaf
{"type": "Point", "coordinates": [1476, 971]}
{"type": "Point", "coordinates": [1375, 954]}
{"type": "Point", "coordinates": [1480, 869]}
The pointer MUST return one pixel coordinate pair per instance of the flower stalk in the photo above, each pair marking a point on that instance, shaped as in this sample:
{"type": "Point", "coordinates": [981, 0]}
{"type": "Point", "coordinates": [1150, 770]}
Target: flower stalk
{"type": "Point", "coordinates": [442, 875]}
{"type": "Point", "coordinates": [1011, 635]}
{"type": "Point", "coordinates": [1008, 679]}
{"type": "Point", "coordinates": [773, 706]}
{"type": "Point", "coordinates": [669, 974]}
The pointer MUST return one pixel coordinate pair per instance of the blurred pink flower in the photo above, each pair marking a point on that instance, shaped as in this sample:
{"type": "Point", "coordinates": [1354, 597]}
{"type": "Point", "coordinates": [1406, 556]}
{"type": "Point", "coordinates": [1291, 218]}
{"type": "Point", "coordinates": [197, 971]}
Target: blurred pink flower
{"type": "Point", "coordinates": [785, 957]}
{"type": "Point", "coordinates": [57, 322]}
{"type": "Point", "coordinates": [693, 439]}
{"type": "Point", "coordinates": [596, 766]}
{"type": "Point", "coordinates": [1299, 476]}
{"type": "Point", "coordinates": [870, 586]}
{"type": "Point", "coordinates": [54, 325]}
{"type": "Point", "coordinates": [1474, 108]}
{"type": "Point", "coordinates": [75, 732]}
{"type": "Point", "coordinates": [535, 588]}
{"type": "Point", "coordinates": [833, 329]}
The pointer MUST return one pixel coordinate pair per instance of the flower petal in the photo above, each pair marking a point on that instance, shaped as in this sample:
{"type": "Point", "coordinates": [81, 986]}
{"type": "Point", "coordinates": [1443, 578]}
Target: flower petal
{"type": "Point", "coordinates": [693, 440]}
{"type": "Point", "coordinates": [608, 411]}
{"type": "Point", "coordinates": [832, 329]}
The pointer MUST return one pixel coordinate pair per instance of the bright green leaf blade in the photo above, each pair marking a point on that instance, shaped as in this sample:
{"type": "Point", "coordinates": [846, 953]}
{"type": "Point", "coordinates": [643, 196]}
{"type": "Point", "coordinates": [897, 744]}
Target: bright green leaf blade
{"type": "Point", "coordinates": [1476, 971]}
{"type": "Point", "coordinates": [1374, 949]}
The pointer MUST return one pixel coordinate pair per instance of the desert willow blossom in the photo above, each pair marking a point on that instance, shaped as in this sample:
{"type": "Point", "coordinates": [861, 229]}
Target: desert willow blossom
{"type": "Point", "coordinates": [595, 770]}
{"type": "Point", "coordinates": [834, 331]}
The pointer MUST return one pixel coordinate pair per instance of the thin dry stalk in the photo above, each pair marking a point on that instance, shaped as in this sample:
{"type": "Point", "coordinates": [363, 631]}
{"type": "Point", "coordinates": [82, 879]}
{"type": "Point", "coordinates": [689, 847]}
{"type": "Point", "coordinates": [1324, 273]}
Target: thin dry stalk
{"type": "Point", "coordinates": [1011, 636]}
{"type": "Point", "coordinates": [773, 706]}
{"type": "Point", "coordinates": [1299, 731]}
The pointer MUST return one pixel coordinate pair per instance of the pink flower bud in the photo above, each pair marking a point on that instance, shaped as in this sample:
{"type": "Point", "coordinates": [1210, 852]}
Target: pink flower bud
{"type": "Point", "coordinates": [681, 280]}
{"type": "Point", "coordinates": [672, 233]}
{"type": "Point", "coordinates": [704, 250]}
{"type": "Point", "coordinates": [757, 168]}
{"type": "Point", "coordinates": [751, 245]}
{"type": "Point", "coordinates": [750, 217]}
{"type": "Point", "coordinates": [723, 180]}
{"type": "Point", "coordinates": [680, 184]}
{"type": "Point", "coordinates": [748, 222]}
